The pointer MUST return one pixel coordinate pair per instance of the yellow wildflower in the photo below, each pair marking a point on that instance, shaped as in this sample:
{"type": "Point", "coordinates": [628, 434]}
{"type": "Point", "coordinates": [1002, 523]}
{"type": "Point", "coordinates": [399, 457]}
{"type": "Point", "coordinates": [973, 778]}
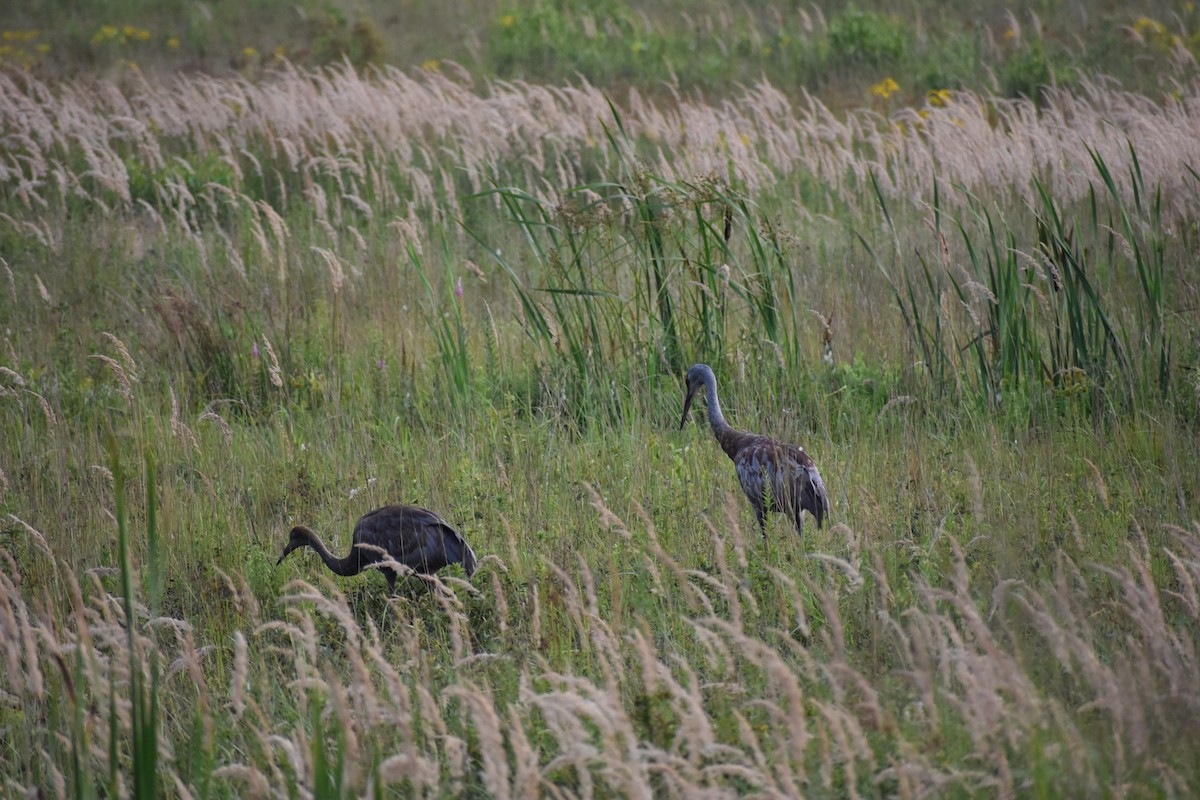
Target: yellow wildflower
{"type": "Point", "coordinates": [939, 97]}
{"type": "Point", "coordinates": [43, 48]}
{"type": "Point", "coordinates": [1144, 24]}
{"type": "Point", "coordinates": [508, 20]}
{"type": "Point", "coordinates": [885, 88]}
{"type": "Point", "coordinates": [249, 52]}
{"type": "Point", "coordinates": [431, 65]}
{"type": "Point", "coordinates": [105, 33]}
{"type": "Point", "coordinates": [173, 42]}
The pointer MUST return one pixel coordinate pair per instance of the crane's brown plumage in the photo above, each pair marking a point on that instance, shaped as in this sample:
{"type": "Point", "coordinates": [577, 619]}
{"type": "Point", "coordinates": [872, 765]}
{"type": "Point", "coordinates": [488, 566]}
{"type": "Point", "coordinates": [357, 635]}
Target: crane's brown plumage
{"type": "Point", "coordinates": [775, 476]}
{"type": "Point", "coordinates": [411, 535]}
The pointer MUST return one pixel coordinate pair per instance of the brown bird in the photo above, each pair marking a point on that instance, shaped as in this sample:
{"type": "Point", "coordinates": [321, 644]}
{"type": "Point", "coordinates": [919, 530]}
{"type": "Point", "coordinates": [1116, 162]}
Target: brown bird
{"type": "Point", "coordinates": [413, 536]}
{"type": "Point", "coordinates": [775, 476]}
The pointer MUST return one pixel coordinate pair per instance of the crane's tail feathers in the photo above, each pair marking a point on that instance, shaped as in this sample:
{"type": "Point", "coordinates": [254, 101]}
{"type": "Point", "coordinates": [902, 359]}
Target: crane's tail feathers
{"type": "Point", "coordinates": [818, 497]}
{"type": "Point", "coordinates": [469, 562]}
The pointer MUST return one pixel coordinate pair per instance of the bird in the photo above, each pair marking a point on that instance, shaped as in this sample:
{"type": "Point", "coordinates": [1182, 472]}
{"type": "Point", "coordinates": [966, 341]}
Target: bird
{"type": "Point", "coordinates": [776, 476]}
{"type": "Point", "coordinates": [411, 535]}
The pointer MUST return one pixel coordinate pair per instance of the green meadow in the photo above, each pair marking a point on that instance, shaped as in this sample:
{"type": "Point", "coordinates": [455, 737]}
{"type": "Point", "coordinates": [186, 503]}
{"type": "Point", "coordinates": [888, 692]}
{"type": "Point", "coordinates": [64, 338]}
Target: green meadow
{"type": "Point", "coordinates": [266, 265]}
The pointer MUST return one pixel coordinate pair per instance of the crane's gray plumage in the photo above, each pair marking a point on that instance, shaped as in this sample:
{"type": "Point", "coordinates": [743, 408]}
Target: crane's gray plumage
{"type": "Point", "coordinates": [775, 476]}
{"type": "Point", "coordinates": [411, 535]}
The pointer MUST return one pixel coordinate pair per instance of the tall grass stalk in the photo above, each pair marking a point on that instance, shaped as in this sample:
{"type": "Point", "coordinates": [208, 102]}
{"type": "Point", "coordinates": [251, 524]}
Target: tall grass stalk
{"type": "Point", "coordinates": [1030, 312]}
{"type": "Point", "coordinates": [143, 692]}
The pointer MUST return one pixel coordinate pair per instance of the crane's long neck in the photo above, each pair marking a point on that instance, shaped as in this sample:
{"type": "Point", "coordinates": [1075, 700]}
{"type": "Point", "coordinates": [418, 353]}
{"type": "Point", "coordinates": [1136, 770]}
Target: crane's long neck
{"type": "Point", "coordinates": [725, 434]}
{"type": "Point", "coordinates": [350, 565]}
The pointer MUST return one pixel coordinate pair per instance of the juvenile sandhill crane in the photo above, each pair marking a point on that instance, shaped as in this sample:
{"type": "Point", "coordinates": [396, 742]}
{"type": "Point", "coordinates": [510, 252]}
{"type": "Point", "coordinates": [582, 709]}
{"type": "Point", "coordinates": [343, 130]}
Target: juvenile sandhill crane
{"type": "Point", "coordinates": [413, 536]}
{"type": "Point", "coordinates": [774, 475]}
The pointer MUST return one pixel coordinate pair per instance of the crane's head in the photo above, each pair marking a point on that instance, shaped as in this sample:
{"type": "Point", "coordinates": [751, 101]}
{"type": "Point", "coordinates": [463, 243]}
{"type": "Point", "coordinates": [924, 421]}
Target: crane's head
{"type": "Point", "coordinates": [696, 380]}
{"type": "Point", "coordinates": [299, 537]}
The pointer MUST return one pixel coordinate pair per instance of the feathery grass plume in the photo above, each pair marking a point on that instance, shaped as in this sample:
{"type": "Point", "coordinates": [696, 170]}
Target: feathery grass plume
{"type": "Point", "coordinates": [14, 378]}
{"type": "Point", "coordinates": [256, 783]}
{"type": "Point", "coordinates": [1101, 489]}
{"type": "Point", "coordinates": [42, 291]}
{"type": "Point", "coordinates": [130, 366]}
{"type": "Point", "coordinates": [724, 581]}
{"type": "Point", "coordinates": [179, 427]}
{"type": "Point", "coordinates": [274, 372]}
{"type": "Point", "coordinates": [607, 518]}
{"type": "Point", "coordinates": [797, 602]}
{"type": "Point", "coordinates": [122, 378]}
{"type": "Point", "coordinates": [280, 234]}
{"type": "Point", "coordinates": [487, 727]}
{"type": "Point", "coordinates": [337, 274]}
{"type": "Point", "coordinates": [455, 750]}
{"type": "Point", "coordinates": [12, 284]}
{"type": "Point", "coordinates": [241, 669]}
{"type": "Point", "coordinates": [451, 607]}
{"type": "Point", "coordinates": [219, 421]}
{"type": "Point", "coordinates": [47, 412]}
{"type": "Point", "coordinates": [37, 538]}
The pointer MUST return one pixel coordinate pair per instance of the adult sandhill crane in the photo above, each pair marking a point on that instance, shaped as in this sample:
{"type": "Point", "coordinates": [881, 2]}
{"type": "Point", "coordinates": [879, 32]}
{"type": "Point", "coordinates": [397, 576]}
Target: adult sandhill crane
{"type": "Point", "coordinates": [774, 475]}
{"type": "Point", "coordinates": [413, 536]}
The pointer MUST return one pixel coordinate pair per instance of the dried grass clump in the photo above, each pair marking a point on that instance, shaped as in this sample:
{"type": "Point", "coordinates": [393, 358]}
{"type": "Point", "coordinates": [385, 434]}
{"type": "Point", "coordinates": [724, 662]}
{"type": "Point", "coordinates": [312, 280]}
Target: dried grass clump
{"type": "Point", "coordinates": [202, 140]}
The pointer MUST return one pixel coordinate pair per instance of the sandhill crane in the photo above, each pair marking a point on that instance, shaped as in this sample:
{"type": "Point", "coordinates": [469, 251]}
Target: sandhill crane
{"type": "Point", "coordinates": [774, 475]}
{"type": "Point", "coordinates": [413, 536]}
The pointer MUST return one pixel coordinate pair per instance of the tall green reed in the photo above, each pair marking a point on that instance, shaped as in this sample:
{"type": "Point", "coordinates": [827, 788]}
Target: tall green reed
{"type": "Point", "coordinates": [1044, 310]}
{"type": "Point", "coordinates": [143, 690]}
{"type": "Point", "coordinates": [448, 329]}
{"type": "Point", "coordinates": [640, 276]}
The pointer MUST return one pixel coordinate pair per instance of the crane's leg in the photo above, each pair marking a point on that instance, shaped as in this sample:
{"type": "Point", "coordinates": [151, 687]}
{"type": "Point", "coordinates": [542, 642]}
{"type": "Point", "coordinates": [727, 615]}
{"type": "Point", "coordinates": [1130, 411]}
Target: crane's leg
{"type": "Point", "coordinates": [390, 574]}
{"type": "Point", "coordinates": [800, 522]}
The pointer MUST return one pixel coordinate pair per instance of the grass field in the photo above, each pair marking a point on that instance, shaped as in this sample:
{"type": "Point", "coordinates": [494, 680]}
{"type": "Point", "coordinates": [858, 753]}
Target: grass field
{"type": "Point", "coordinates": [233, 303]}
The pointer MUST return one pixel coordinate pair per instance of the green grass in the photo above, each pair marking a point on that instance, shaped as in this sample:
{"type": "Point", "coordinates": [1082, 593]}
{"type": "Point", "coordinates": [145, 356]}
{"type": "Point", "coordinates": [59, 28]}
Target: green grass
{"type": "Point", "coordinates": [997, 375]}
{"type": "Point", "coordinates": [832, 50]}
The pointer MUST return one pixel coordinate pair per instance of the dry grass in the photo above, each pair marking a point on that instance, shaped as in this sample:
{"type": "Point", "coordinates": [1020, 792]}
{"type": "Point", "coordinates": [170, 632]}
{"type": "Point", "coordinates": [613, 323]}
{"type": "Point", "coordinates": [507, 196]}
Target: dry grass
{"type": "Point", "coordinates": [343, 132]}
{"type": "Point", "coordinates": [975, 704]}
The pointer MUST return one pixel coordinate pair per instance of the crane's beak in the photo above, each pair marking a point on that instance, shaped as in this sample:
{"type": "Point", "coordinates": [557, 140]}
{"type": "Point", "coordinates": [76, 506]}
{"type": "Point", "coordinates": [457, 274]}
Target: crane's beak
{"type": "Point", "coordinates": [687, 403]}
{"type": "Point", "coordinates": [290, 547]}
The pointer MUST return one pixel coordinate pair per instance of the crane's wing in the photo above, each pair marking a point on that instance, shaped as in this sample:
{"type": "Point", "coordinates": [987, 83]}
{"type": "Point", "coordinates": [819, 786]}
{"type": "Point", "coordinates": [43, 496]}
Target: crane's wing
{"type": "Point", "coordinates": [807, 485]}
{"type": "Point", "coordinates": [416, 537]}
{"type": "Point", "coordinates": [756, 471]}
{"type": "Point", "coordinates": [452, 546]}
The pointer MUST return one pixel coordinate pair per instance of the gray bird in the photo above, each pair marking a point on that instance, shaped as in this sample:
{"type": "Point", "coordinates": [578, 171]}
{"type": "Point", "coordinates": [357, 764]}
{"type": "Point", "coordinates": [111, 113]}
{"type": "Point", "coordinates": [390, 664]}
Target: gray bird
{"type": "Point", "coordinates": [777, 477]}
{"type": "Point", "coordinates": [411, 535]}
